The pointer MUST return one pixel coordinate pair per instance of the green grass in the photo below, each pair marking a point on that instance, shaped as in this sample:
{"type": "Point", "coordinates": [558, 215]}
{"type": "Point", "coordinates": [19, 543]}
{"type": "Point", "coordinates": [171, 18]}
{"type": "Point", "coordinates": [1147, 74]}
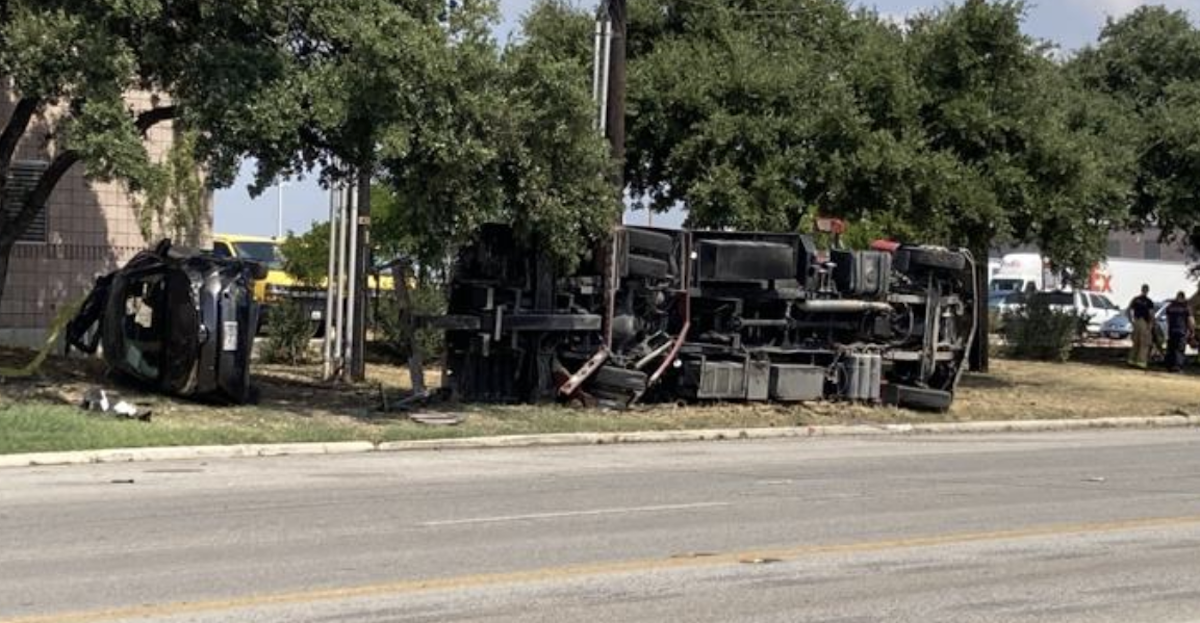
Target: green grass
{"type": "Point", "coordinates": [1015, 390]}
{"type": "Point", "coordinates": [34, 427]}
{"type": "Point", "coordinates": [39, 427]}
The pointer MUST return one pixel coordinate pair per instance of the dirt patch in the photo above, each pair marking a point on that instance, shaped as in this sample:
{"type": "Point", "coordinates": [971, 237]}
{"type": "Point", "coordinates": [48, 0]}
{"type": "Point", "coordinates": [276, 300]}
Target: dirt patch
{"type": "Point", "coordinates": [1101, 386]}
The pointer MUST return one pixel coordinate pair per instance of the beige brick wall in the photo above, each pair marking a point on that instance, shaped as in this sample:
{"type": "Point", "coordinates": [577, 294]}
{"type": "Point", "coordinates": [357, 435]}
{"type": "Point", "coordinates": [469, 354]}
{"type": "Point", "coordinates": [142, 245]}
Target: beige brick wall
{"type": "Point", "coordinates": [92, 229]}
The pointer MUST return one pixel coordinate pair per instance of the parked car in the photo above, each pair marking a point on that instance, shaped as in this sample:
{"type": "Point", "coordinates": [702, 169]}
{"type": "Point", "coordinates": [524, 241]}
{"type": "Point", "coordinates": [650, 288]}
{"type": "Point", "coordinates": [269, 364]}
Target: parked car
{"type": "Point", "coordinates": [1095, 308]}
{"type": "Point", "coordinates": [1120, 328]}
{"type": "Point", "coordinates": [1000, 304]}
{"type": "Point", "coordinates": [1117, 328]}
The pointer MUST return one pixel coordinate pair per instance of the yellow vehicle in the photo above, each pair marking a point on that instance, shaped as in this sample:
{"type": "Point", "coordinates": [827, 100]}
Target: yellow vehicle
{"type": "Point", "coordinates": [279, 285]}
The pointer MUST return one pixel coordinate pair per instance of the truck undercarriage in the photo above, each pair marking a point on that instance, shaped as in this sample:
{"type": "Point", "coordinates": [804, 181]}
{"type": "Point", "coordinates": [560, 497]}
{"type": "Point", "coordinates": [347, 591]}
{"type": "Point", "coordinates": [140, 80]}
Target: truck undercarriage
{"type": "Point", "coordinates": [671, 315]}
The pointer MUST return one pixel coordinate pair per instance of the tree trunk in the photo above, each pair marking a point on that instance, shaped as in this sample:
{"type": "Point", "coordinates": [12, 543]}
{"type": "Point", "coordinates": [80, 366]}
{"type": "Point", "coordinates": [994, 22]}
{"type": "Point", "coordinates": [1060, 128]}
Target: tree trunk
{"type": "Point", "coordinates": [979, 359]}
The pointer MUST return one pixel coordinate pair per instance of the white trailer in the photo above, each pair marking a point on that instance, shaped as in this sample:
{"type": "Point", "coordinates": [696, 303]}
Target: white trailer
{"type": "Point", "coordinates": [1122, 279]}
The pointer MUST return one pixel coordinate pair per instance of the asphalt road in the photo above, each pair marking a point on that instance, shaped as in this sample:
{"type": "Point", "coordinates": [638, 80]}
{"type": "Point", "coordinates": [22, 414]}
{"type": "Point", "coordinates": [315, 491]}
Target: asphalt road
{"type": "Point", "coordinates": [1089, 526]}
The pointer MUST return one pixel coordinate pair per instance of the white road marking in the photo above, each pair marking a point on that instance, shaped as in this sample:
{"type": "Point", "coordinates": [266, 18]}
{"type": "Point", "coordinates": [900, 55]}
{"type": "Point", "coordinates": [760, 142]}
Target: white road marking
{"type": "Point", "coordinates": [587, 513]}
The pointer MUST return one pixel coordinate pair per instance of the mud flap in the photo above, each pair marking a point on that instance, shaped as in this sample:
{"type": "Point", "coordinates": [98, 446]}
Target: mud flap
{"type": "Point", "coordinates": [917, 398]}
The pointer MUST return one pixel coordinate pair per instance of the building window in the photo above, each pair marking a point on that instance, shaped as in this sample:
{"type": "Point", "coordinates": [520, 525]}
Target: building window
{"type": "Point", "coordinates": [1152, 250]}
{"type": "Point", "coordinates": [23, 176]}
{"type": "Point", "coordinates": [1114, 248]}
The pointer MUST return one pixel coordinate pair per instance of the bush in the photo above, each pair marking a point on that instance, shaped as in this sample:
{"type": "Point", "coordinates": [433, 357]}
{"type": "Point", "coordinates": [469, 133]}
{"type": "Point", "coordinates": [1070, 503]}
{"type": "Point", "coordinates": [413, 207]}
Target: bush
{"type": "Point", "coordinates": [1038, 331]}
{"type": "Point", "coordinates": [289, 332]}
{"type": "Point", "coordinates": [426, 301]}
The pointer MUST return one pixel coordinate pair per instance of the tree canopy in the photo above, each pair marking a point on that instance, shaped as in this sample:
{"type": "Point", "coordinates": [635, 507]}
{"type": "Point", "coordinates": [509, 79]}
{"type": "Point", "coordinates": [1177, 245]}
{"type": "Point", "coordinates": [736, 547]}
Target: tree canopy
{"type": "Point", "coordinates": [415, 93]}
{"type": "Point", "coordinates": [953, 127]}
{"type": "Point", "coordinates": [1145, 70]}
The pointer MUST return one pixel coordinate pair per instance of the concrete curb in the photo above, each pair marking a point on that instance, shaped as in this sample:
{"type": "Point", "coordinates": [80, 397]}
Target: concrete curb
{"type": "Point", "coordinates": [137, 455]}
{"type": "Point", "coordinates": [133, 455]}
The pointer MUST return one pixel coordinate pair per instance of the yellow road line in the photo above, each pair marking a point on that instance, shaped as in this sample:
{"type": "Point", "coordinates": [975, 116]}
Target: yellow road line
{"type": "Point", "coordinates": [591, 570]}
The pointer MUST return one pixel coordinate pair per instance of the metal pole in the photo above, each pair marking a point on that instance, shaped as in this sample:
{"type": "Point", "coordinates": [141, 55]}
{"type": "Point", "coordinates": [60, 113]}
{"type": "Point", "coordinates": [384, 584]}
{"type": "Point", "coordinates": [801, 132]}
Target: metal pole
{"type": "Point", "coordinates": [605, 85]}
{"type": "Point", "coordinates": [352, 294]}
{"type": "Point", "coordinates": [615, 100]}
{"type": "Point", "coordinates": [279, 213]}
{"type": "Point", "coordinates": [597, 70]}
{"type": "Point", "coordinates": [330, 292]}
{"type": "Point", "coordinates": [613, 127]}
{"type": "Point", "coordinates": [340, 307]}
{"type": "Point", "coordinates": [362, 228]}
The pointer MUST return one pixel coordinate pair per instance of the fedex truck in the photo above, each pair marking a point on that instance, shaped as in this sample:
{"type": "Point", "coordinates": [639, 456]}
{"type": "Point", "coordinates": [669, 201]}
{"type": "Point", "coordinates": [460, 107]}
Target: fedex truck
{"type": "Point", "coordinates": [1120, 279]}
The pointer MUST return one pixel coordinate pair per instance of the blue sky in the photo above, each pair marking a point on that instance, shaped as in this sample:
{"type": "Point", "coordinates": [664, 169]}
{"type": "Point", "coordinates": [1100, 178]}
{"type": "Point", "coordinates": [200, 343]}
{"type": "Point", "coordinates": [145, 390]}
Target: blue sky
{"type": "Point", "coordinates": [1070, 23]}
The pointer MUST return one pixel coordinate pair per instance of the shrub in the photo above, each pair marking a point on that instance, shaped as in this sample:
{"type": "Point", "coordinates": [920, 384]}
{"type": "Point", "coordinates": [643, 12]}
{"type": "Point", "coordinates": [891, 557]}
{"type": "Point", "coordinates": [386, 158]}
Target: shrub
{"type": "Point", "coordinates": [289, 332]}
{"type": "Point", "coordinates": [426, 301]}
{"type": "Point", "coordinates": [1038, 331]}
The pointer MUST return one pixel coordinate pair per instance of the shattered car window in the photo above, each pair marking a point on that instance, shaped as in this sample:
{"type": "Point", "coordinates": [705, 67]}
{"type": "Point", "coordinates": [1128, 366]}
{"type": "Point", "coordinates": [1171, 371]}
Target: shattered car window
{"type": "Point", "coordinates": [141, 325]}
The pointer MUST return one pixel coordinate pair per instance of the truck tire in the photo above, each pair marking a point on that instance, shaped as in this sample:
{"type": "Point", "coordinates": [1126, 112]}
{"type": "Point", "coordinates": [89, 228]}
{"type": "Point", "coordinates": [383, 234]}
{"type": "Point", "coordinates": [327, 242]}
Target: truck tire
{"type": "Point", "coordinates": [920, 257]}
{"type": "Point", "coordinates": [618, 379]}
{"type": "Point", "coordinates": [917, 398]}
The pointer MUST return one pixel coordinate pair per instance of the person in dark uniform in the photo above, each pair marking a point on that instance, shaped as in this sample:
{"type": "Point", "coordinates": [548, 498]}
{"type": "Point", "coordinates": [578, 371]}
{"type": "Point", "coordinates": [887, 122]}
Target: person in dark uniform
{"type": "Point", "coordinates": [1141, 315]}
{"type": "Point", "coordinates": [1179, 330]}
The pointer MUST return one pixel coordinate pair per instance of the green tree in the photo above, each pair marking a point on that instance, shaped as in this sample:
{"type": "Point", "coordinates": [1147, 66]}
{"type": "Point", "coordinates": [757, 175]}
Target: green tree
{"type": "Point", "coordinates": [82, 59]}
{"type": "Point", "coordinates": [306, 256]}
{"type": "Point", "coordinates": [1145, 72]}
{"type": "Point", "coordinates": [749, 114]}
{"type": "Point", "coordinates": [507, 137]}
{"type": "Point", "coordinates": [1013, 154]}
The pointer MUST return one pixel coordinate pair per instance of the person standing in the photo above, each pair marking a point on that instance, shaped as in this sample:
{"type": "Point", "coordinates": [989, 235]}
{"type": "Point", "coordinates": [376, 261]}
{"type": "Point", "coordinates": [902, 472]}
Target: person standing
{"type": "Point", "coordinates": [1141, 315]}
{"type": "Point", "coordinates": [1180, 326]}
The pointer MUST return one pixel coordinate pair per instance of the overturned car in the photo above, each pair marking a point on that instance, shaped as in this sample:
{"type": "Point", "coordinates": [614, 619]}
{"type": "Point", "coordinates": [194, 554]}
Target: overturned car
{"type": "Point", "coordinates": [710, 316]}
{"type": "Point", "coordinates": [182, 323]}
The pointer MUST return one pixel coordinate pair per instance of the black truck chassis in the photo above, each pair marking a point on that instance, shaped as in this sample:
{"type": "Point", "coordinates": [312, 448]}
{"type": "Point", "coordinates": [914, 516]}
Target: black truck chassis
{"type": "Point", "coordinates": [670, 315]}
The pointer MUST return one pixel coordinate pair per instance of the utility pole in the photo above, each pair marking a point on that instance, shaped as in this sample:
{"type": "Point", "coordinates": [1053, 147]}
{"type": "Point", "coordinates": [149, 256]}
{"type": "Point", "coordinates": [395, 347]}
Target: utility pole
{"type": "Point", "coordinates": [608, 89]}
{"type": "Point", "coordinates": [358, 365]}
{"type": "Point", "coordinates": [614, 110]}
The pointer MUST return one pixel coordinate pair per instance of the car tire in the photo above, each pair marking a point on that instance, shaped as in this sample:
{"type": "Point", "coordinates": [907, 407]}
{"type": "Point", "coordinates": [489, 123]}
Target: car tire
{"type": "Point", "coordinates": [922, 257]}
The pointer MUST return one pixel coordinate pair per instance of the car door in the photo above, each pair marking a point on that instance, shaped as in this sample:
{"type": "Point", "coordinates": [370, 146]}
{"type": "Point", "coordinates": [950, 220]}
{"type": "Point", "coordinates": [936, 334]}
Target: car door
{"type": "Point", "coordinates": [1105, 309]}
{"type": "Point", "coordinates": [1084, 308]}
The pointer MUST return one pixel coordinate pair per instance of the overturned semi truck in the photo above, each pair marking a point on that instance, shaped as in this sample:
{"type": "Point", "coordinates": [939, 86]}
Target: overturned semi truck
{"type": "Point", "coordinates": [672, 315]}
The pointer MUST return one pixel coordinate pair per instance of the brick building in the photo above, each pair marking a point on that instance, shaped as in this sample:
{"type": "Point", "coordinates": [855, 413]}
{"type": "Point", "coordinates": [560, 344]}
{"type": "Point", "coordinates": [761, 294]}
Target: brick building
{"type": "Point", "coordinates": [87, 229]}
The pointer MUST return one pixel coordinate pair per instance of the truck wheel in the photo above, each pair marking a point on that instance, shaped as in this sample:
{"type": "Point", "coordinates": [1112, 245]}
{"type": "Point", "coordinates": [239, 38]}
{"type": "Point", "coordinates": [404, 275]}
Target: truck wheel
{"type": "Point", "coordinates": [918, 398]}
{"type": "Point", "coordinates": [936, 258]}
{"type": "Point", "coordinates": [618, 379]}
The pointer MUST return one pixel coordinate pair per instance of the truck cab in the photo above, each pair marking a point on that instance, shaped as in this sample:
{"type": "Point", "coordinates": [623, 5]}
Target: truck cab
{"type": "Point", "coordinates": [279, 285]}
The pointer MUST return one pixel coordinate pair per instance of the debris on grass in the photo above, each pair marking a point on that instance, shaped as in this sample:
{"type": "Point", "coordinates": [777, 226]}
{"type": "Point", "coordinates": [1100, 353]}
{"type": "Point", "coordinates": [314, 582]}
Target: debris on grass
{"type": "Point", "coordinates": [106, 401]}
